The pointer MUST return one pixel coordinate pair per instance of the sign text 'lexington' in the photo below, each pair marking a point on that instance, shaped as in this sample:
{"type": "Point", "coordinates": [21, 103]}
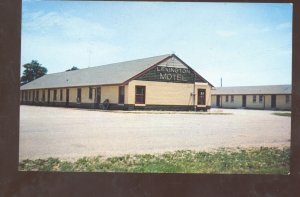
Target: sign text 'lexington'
{"type": "Point", "coordinates": [172, 74]}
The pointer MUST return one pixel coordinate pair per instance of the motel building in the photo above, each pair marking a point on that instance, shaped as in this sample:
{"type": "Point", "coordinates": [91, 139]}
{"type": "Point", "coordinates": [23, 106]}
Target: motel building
{"type": "Point", "coordinates": [157, 83]}
{"type": "Point", "coordinates": [272, 97]}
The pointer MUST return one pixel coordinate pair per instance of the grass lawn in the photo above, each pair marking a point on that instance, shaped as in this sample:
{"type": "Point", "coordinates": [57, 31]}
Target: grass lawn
{"type": "Point", "coordinates": [250, 161]}
{"type": "Point", "coordinates": [173, 112]}
{"type": "Point", "coordinates": [283, 114]}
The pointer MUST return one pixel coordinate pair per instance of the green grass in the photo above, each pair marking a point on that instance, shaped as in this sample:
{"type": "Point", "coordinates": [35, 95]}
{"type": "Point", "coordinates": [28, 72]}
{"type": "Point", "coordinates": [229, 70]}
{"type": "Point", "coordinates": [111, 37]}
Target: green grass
{"type": "Point", "coordinates": [175, 112]}
{"type": "Point", "coordinates": [250, 161]}
{"type": "Point", "coordinates": [283, 114]}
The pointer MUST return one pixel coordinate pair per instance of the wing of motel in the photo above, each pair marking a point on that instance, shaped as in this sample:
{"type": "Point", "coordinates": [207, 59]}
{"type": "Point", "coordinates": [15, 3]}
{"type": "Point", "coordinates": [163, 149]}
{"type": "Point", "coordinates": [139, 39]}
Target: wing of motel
{"type": "Point", "coordinates": [275, 97]}
{"type": "Point", "coordinates": [159, 83]}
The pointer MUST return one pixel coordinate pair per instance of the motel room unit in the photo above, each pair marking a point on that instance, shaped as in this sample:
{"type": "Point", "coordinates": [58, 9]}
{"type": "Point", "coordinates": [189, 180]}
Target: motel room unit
{"type": "Point", "coordinates": [157, 83]}
{"type": "Point", "coordinates": [273, 97]}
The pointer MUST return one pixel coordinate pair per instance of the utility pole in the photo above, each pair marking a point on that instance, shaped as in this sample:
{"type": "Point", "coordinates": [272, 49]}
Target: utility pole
{"type": "Point", "coordinates": [221, 81]}
{"type": "Point", "coordinates": [194, 92]}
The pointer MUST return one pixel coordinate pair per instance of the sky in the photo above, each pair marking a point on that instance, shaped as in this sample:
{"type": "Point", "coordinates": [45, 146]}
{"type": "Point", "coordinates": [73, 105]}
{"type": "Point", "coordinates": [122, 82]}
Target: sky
{"type": "Point", "coordinates": [242, 43]}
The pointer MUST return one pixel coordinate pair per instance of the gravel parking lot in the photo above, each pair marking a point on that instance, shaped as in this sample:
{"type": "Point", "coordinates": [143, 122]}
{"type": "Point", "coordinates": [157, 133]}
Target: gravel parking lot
{"type": "Point", "coordinates": [73, 133]}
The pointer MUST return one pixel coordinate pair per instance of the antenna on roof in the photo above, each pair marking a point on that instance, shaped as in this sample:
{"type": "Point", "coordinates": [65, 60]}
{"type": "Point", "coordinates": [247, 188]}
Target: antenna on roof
{"type": "Point", "coordinates": [221, 81]}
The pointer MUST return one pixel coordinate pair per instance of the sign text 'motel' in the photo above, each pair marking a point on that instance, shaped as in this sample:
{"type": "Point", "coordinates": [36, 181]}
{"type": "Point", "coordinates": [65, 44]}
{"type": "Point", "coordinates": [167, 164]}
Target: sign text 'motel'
{"type": "Point", "coordinates": [172, 74]}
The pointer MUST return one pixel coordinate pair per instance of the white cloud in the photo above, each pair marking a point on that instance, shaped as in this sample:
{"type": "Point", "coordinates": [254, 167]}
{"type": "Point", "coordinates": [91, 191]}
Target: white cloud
{"type": "Point", "coordinates": [64, 40]}
{"type": "Point", "coordinates": [65, 24]}
{"type": "Point", "coordinates": [226, 33]}
{"type": "Point", "coordinates": [31, 0]}
{"type": "Point", "coordinates": [265, 29]}
{"type": "Point", "coordinates": [60, 41]}
{"type": "Point", "coordinates": [255, 29]}
{"type": "Point", "coordinates": [285, 25]}
{"type": "Point", "coordinates": [57, 56]}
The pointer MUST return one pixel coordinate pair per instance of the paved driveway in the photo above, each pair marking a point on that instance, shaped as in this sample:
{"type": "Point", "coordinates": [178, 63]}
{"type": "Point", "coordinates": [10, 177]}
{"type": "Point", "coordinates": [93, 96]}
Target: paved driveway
{"type": "Point", "coordinates": [73, 133]}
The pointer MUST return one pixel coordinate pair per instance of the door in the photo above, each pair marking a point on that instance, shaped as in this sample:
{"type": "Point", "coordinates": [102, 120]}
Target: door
{"type": "Point", "coordinates": [201, 97]}
{"type": "Point", "coordinates": [33, 96]}
{"type": "Point", "coordinates": [67, 97]}
{"type": "Point", "coordinates": [98, 96]}
{"type": "Point", "coordinates": [244, 101]}
{"type": "Point", "coordinates": [121, 94]}
{"type": "Point", "coordinates": [48, 97]}
{"type": "Point", "coordinates": [22, 96]}
{"type": "Point", "coordinates": [273, 101]}
{"type": "Point", "coordinates": [218, 100]}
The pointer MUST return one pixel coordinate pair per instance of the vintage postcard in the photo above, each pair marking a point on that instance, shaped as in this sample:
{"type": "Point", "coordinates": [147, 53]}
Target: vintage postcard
{"type": "Point", "coordinates": [156, 87]}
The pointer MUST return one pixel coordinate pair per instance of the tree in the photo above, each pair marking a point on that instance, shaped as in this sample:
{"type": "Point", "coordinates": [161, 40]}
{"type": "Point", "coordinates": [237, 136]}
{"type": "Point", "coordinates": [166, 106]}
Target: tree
{"type": "Point", "coordinates": [32, 71]}
{"type": "Point", "coordinates": [73, 68]}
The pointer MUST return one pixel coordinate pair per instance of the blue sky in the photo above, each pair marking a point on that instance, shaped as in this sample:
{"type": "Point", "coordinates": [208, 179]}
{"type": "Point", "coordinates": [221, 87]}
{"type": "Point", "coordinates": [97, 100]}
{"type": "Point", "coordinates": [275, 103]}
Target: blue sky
{"type": "Point", "coordinates": [245, 44]}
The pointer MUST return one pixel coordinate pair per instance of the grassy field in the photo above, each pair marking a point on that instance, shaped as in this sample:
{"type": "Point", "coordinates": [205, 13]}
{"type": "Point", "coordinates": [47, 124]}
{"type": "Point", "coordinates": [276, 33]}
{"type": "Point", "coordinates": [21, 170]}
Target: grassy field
{"type": "Point", "coordinates": [245, 161]}
{"type": "Point", "coordinates": [283, 114]}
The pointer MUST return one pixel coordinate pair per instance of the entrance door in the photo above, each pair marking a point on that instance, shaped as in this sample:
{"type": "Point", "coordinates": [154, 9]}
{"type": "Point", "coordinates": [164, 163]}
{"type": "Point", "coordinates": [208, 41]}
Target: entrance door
{"type": "Point", "coordinates": [273, 101]}
{"type": "Point", "coordinates": [201, 97]}
{"type": "Point", "coordinates": [121, 94]}
{"type": "Point", "coordinates": [67, 97]}
{"type": "Point", "coordinates": [244, 101]}
{"type": "Point", "coordinates": [218, 100]}
{"type": "Point", "coordinates": [98, 96]}
{"type": "Point", "coordinates": [48, 98]}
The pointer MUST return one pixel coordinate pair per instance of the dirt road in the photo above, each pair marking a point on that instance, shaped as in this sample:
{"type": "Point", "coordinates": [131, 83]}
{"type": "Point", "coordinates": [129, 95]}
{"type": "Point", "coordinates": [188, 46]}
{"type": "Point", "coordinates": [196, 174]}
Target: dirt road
{"type": "Point", "coordinates": [72, 133]}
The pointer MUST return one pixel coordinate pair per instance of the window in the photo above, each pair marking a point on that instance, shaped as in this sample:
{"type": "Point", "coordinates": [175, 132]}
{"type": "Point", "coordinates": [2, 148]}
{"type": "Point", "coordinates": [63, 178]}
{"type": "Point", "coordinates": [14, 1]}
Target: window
{"type": "Point", "coordinates": [226, 98]}
{"type": "Point", "coordinates": [78, 95]}
{"type": "Point", "coordinates": [121, 94]}
{"type": "Point", "coordinates": [287, 99]}
{"type": "Point", "coordinates": [254, 98]}
{"type": "Point", "coordinates": [61, 94]}
{"type": "Point", "coordinates": [260, 98]}
{"type": "Point", "coordinates": [37, 95]}
{"type": "Point", "coordinates": [140, 94]}
{"type": "Point", "coordinates": [33, 95]}
{"type": "Point", "coordinates": [55, 95]}
{"type": "Point", "coordinates": [48, 95]}
{"type": "Point", "coordinates": [26, 95]}
{"type": "Point", "coordinates": [90, 93]}
{"type": "Point", "coordinates": [232, 99]}
{"type": "Point", "coordinates": [29, 95]}
{"type": "Point", "coordinates": [43, 96]}
{"type": "Point", "coordinates": [22, 95]}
